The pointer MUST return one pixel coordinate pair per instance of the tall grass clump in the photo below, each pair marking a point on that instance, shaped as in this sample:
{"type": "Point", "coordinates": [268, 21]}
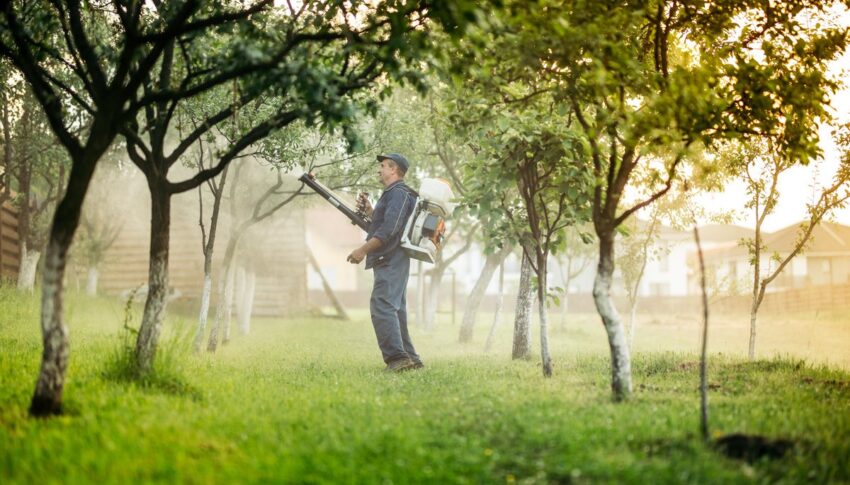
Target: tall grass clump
{"type": "Point", "coordinates": [170, 368]}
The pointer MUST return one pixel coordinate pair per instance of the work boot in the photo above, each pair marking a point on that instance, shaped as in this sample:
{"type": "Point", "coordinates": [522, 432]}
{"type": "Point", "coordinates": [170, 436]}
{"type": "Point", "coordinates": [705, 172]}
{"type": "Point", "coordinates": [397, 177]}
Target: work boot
{"type": "Point", "coordinates": [417, 364]}
{"type": "Point", "coordinates": [400, 365]}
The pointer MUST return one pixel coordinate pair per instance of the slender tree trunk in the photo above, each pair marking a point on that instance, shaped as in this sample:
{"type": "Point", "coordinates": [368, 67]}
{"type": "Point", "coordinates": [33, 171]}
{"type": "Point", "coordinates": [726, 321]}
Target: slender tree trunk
{"type": "Point", "coordinates": [247, 305]}
{"type": "Point", "coordinates": [204, 311]}
{"type": "Point", "coordinates": [632, 320]}
{"type": "Point", "coordinates": [329, 292]}
{"type": "Point", "coordinates": [154, 312]}
{"type": "Point", "coordinates": [209, 248]}
{"type": "Point", "coordinates": [621, 369]}
{"type": "Point", "coordinates": [433, 300]}
{"type": "Point", "coordinates": [497, 315]}
{"type": "Point", "coordinates": [522, 318]}
{"type": "Point", "coordinates": [420, 295]}
{"type": "Point", "coordinates": [91, 281]}
{"type": "Point", "coordinates": [47, 398]}
{"type": "Point", "coordinates": [29, 266]}
{"type": "Point", "coordinates": [754, 308]}
{"type": "Point", "coordinates": [225, 292]}
{"type": "Point", "coordinates": [239, 294]}
{"type": "Point", "coordinates": [470, 312]}
{"type": "Point", "coordinates": [543, 309]}
{"type": "Point", "coordinates": [703, 359]}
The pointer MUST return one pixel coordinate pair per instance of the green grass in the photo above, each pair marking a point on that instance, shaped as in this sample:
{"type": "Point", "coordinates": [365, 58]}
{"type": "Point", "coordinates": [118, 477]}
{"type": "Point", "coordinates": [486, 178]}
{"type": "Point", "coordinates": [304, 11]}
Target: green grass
{"type": "Point", "coordinates": [305, 401]}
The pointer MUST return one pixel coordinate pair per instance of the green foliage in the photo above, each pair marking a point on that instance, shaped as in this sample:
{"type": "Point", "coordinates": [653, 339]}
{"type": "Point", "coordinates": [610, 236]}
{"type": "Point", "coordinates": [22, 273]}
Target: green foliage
{"type": "Point", "coordinates": [305, 401]}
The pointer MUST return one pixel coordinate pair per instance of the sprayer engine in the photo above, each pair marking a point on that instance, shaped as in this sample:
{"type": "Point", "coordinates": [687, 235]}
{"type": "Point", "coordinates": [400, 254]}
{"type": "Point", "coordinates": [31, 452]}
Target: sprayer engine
{"type": "Point", "coordinates": [426, 227]}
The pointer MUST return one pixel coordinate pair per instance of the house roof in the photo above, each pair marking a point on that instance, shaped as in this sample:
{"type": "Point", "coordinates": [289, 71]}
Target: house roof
{"type": "Point", "coordinates": [826, 238]}
{"type": "Point", "coordinates": [719, 233]}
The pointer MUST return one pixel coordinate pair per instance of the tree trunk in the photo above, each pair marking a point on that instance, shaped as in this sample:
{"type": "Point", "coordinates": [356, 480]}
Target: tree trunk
{"type": "Point", "coordinates": [497, 316]}
{"type": "Point", "coordinates": [632, 320]}
{"type": "Point", "coordinates": [205, 310]}
{"type": "Point", "coordinates": [621, 369]}
{"type": "Point", "coordinates": [225, 292]}
{"type": "Point", "coordinates": [470, 313]}
{"type": "Point", "coordinates": [154, 312]}
{"type": "Point", "coordinates": [238, 295]}
{"type": "Point", "coordinates": [47, 398]}
{"type": "Point", "coordinates": [247, 307]}
{"type": "Point", "coordinates": [522, 318]}
{"type": "Point", "coordinates": [29, 265]}
{"type": "Point", "coordinates": [545, 358]}
{"type": "Point", "coordinates": [433, 301]}
{"type": "Point", "coordinates": [91, 281]}
{"type": "Point", "coordinates": [420, 295]}
{"type": "Point", "coordinates": [754, 308]}
{"type": "Point", "coordinates": [329, 292]}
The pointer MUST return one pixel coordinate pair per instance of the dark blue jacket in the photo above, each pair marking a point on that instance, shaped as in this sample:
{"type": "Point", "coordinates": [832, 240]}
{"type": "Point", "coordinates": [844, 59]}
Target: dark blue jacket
{"type": "Point", "coordinates": [388, 220]}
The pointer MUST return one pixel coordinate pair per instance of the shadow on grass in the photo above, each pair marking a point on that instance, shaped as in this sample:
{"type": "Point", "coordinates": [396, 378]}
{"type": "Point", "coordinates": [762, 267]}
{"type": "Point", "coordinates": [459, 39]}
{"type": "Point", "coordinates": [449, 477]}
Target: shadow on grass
{"type": "Point", "coordinates": [752, 448]}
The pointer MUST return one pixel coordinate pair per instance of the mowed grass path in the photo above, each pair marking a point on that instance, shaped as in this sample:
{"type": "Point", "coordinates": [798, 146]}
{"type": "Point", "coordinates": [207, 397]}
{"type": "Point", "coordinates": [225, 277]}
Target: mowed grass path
{"type": "Point", "coordinates": [305, 401]}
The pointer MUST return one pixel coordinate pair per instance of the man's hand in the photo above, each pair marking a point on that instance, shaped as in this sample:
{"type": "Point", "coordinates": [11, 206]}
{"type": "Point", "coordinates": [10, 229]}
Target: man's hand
{"type": "Point", "coordinates": [360, 253]}
{"type": "Point", "coordinates": [356, 256]}
{"type": "Point", "coordinates": [363, 204]}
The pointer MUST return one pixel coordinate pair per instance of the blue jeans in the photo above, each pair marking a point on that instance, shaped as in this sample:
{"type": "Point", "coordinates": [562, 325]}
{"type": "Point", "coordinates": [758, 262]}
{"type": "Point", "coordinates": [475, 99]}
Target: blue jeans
{"type": "Point", "coordinates": [388, 306]}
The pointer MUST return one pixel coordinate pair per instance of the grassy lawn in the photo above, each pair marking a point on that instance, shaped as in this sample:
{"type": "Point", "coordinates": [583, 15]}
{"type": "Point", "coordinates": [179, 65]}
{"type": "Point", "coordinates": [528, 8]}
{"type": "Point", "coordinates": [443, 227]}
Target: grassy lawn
{"type": "Point", "coordinates": [305, 401]}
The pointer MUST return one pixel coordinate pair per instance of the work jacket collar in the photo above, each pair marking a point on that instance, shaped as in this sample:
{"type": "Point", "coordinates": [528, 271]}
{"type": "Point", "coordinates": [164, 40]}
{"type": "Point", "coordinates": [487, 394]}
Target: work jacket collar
{"type": "Point", "coordinates": [392, 185]}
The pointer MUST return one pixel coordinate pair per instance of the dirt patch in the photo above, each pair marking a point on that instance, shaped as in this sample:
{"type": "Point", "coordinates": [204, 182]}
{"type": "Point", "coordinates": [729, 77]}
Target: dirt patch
{"type": "Point", "coordinates": [752, 448]}
{"type": "Point", "coordinates": [830, 383]}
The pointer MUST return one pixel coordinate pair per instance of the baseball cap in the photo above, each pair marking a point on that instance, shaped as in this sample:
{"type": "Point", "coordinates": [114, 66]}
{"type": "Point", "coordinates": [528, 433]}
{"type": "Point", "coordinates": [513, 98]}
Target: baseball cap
{"type": "Point", "coordinates": [399, 160]}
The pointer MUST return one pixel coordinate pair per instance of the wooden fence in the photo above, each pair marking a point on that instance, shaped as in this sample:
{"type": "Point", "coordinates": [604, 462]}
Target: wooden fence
{"type": "Point", "coordinates": [10, 251]}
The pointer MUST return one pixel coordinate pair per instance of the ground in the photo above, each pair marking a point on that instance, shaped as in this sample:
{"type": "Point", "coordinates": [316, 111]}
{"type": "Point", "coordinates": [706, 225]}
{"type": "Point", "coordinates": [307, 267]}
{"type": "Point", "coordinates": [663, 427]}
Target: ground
{"type": "Point", "coordinates": [305, 401]}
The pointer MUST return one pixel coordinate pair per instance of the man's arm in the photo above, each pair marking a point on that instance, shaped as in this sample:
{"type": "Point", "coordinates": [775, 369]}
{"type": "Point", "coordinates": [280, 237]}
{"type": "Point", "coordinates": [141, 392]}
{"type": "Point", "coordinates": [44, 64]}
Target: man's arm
{"type": "Point", "coordinates": [360, 253]}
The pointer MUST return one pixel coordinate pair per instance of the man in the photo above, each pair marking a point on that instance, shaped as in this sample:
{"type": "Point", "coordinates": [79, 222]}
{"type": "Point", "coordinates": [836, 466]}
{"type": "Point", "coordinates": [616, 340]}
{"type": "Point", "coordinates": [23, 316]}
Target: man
{"type": "Point", "coordinates": [383, 254]}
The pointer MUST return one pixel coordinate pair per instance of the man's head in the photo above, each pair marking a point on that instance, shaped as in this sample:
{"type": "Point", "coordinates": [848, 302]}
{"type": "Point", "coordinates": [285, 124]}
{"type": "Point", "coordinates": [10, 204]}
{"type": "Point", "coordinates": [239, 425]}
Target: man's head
{"type": "Point", "coordinates": [392, 168]}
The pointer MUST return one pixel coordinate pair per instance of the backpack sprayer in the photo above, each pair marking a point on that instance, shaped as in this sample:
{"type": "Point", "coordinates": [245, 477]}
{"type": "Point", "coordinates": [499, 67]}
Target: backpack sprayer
{"type": "Point", "coordinates": [425, 228]}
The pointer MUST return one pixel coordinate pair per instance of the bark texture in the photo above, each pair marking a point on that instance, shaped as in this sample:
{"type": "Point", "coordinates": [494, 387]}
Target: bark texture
{"type": "Point", "coordinates": [29, 265]}
{"type": "Point", "coordinates": [522, 318]}
{"type": "Point", "coordinates": [47, 399]}
{"type": "Point", "coordinates": [545, 357]}
{"type": "Point", "coordinates": [154, 312]}
{"type": "Point", "coordinates": [621, 369]}
{"type": "Point", "coordinates": [204, 312]}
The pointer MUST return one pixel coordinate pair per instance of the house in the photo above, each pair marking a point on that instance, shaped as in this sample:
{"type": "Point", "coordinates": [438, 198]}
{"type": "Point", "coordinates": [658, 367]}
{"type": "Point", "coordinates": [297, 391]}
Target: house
{"type": "Point", "coordinates": [824, 261]}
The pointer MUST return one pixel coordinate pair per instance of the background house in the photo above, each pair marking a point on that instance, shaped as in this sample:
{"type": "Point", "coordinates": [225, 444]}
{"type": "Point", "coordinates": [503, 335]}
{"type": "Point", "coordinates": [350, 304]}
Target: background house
{"type": "Point", "coordinates": [825, 260]}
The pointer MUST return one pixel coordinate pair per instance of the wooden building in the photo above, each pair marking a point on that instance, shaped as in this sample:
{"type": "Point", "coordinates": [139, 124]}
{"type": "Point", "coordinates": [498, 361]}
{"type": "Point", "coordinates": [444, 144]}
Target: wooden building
{"type": "Point", "coordinates": [274, 250]}
{"type": "Point", "coordinates": [10, 249]}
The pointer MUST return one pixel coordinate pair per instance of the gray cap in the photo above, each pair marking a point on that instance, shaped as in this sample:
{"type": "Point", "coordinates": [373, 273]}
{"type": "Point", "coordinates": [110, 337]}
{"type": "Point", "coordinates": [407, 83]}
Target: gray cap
{"type": "Point", "coordinates": [399, 160]}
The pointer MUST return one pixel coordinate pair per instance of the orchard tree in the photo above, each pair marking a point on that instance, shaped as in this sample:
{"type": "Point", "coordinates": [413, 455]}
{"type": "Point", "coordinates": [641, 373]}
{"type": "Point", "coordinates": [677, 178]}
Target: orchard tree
{"type": "Point", "coordinates": [762, 165]}
{"type": "Point", "coordinates": [649, 83]}
{"type": "Point", "coordinates": [98, 72]}
{"type": "Point", "coordinates": [307, 68]}
{"type": "Point", "coordinates": [86, 67]}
